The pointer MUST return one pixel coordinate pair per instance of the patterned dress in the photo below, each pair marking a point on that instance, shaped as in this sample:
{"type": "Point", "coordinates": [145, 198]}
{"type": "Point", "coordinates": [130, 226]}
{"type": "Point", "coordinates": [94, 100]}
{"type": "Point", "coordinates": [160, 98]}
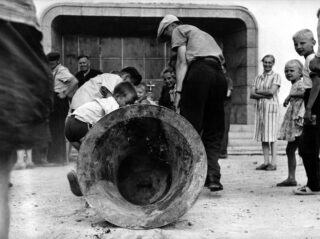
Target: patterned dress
{"type": "Point", "coordinates": [267, 110]}
{"type": "Point", "coordinates": [293, 119]}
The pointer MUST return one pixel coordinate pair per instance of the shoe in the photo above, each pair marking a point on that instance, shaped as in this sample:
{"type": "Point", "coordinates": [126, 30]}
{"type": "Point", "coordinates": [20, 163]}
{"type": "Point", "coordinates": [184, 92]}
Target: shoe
{"type": "Point", "coordinates": [271, 167]}
{"type": "Point", "coordinates": [262, 167]}
{"type": "Point", "coordinates": [74, 183]}
{"type": "Point", "coordinates": [287, 183]}
{"type": "Point", "coordinates": [214, 187]}
{"type": "Point", "coordinates": [305, 190]}
{"type": "Point", "coordinates": [223, 156]}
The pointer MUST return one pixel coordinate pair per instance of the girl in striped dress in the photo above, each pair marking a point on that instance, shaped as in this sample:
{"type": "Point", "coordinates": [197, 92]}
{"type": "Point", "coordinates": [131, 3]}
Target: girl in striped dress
{"type": "Point", "coordinates": [265, 90]}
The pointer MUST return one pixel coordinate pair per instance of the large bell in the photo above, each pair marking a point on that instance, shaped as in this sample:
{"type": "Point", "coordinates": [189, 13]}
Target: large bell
{"type": "Point", "coordinates": [142, 166]}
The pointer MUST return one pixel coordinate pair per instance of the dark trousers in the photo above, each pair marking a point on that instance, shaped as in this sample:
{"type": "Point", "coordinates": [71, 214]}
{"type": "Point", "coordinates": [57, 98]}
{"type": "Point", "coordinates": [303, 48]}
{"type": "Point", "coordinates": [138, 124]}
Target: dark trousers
{"type": "Point", "coordinates": [225, 140]}
{"type": "Point", "coordinates": [309, 147]}
{"type": "Point", "coordinates": [57, 150]}
{"type": "Point", "coordinates": [202, 104]}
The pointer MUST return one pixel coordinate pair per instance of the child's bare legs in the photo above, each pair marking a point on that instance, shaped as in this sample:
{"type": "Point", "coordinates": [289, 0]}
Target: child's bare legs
{"type": "Point", "coordinates": [292, 163]}
{"type": "Point", "coordinates": [6, 163]}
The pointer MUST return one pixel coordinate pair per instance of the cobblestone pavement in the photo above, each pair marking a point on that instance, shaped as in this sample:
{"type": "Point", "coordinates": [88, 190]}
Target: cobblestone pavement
{"type": "Point", "coordinates": [251, 206]}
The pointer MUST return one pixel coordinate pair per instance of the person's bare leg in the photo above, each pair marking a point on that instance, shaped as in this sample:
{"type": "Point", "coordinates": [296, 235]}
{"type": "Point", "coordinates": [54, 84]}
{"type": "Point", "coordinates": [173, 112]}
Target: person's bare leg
{"type": "Point", "coordinates": [274, 150]}
{"type": "Point", "coordinates": [6, 163]}
{"type": "Point", "coordinates": [265, 150]}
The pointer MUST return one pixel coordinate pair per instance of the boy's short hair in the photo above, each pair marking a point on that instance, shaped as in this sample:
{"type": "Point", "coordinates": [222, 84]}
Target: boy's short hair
{"type": "Point", "coordinates": [142, 85]}
{"type": "Point", "coordinates": [126, 89]}
{"type": "Point", "coordinates": [134, 74]}
{"type": "Point", "coordinates": [297, 63]}
{"type": "Point", "coordinates": [304, 33]}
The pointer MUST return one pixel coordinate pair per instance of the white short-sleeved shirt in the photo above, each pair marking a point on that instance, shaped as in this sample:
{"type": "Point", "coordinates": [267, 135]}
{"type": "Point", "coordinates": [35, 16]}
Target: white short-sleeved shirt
{"type": "Point", "coordinates": [307, 82]}
{"type": "Point", "coordinates": [91, 112]}
{"type": "Point", "coordinates": [62, 78]}
{"type": "Point", "coordinates": [91, 89]}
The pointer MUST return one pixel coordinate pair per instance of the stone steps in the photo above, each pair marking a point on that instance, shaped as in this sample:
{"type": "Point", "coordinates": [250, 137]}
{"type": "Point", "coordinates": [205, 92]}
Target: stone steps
{"type": "Point", "coordinates": [241, 141]}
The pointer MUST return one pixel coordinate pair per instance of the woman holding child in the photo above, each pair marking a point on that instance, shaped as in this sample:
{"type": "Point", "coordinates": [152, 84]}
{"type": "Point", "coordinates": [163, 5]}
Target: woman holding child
{"type": "Point", "coordinates": [265, 90]}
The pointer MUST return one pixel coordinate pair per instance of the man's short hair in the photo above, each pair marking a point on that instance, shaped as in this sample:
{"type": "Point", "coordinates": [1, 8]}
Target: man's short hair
{"type": "Point", "coordinates": [134, 74]}
{"type": "Point", "coordinates": [83, 56]}
{"type": "Point", "coordinates": [53, 56]}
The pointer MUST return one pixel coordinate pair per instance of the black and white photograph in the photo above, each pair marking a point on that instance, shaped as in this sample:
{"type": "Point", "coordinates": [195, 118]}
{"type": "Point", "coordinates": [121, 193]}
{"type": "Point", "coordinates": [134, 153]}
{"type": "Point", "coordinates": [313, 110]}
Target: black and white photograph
{"type": "Point", "coordinates": [157, 119]}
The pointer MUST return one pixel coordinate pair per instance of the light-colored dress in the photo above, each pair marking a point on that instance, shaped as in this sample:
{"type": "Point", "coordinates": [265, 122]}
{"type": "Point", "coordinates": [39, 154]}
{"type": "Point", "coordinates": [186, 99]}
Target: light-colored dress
{"type": "Point", "coordinates": [267, 110]}
{"type": "Point", "coordinates": [293, 119]}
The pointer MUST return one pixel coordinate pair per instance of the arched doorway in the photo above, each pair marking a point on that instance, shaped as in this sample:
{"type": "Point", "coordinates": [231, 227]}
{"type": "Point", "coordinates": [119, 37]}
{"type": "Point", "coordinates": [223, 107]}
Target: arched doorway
{"type": "Point", "coordinates": [119, 35]}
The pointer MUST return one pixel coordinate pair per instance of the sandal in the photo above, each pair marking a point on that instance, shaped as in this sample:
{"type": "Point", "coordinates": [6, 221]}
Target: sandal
{"type": "Point", "coordinates": [305, 190]}
{"type": "Point", "coordinates": [287, 183]}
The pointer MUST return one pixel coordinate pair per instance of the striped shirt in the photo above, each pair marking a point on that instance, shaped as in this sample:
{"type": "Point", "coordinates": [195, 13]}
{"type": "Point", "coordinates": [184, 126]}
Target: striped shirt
{"type": "Point", "coordinates": [21, 11]}
{"type": "Point", "coordinates": [267, 110]}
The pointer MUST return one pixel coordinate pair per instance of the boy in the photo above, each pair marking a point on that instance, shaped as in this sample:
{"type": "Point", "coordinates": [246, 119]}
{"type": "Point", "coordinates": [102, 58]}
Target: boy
{"type": "Point", "coordinates": [310, 138]}
{"type": "Point", "coordinates": [82, 119]}
{"type": "Point", "coordinates": [85, 116]}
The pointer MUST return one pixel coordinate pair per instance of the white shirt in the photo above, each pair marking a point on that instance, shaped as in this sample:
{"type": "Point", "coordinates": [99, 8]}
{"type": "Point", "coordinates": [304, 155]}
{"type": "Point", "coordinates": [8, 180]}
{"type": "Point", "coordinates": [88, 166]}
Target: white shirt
{"type": "Point", "coordinates": [307, 82]}
{"type": "Point", "coordinates": [62, 78]}
{"type": "Point", "coordinates": [91, 112]}
{"type": "Point", "coordinates": [91, 89]}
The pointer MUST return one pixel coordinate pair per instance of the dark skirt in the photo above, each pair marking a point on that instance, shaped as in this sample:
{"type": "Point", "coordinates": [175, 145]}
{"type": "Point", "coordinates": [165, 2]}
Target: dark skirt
{"type": "Point", "coordinates": [26, 88]}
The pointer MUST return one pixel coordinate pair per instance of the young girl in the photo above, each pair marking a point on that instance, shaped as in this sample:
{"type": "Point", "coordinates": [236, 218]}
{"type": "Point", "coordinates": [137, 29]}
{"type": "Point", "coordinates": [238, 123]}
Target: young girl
{"type": "Point", "coordinates": [143, 95]}
{"type": "Point", "coordinates": [291, 127]}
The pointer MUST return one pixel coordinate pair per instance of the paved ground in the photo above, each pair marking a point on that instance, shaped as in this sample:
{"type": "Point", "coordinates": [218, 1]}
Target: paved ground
{"type": "Point", "coordinates": [250, 207]}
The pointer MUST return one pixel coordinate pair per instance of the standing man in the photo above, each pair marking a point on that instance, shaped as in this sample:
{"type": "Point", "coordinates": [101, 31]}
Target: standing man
{"type": "Point", "coordinates": [201, 87]}
{"type": "Point", "coordinates": [26, 91]}
{"type": "Point", "coordinates": [65, 85]}
{"type": "Point", "coordinates": [86, 72]}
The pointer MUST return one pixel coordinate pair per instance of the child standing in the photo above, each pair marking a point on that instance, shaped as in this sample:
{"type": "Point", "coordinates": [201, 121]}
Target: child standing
{"type": "Point", "coordinates": [291, 127]}
{"type": "Point", "coordinates": [86, 115]}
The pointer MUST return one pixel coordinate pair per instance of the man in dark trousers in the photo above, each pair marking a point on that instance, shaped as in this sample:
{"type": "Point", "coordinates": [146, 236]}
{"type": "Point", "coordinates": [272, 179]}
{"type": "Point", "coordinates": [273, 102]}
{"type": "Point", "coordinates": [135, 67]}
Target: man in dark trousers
{"type": "Point", "coordinates": [201, 87]}
{"type": "Point", "coordinates": [26, 91]}
{"type": "Point", "coordinates": [86, 72]}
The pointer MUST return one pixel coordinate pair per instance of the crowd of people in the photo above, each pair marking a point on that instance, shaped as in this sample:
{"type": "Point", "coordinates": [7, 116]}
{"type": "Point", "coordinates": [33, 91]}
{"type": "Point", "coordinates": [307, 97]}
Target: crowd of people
{"type": "Point", "coordinates": [301, 124]}
{"type": "Point", "coordinates": [54, 104]}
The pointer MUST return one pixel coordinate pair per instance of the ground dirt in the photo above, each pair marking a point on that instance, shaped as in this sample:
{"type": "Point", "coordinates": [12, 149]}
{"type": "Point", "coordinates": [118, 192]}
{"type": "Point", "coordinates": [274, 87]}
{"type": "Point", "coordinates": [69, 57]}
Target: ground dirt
{"type": "Point", "coordinates": [250, 206]}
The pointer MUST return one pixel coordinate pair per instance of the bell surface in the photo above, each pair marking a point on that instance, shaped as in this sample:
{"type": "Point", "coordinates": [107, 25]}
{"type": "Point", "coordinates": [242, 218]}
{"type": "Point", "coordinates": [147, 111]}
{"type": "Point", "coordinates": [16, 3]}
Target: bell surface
{"type": "Point", "coordinates": [142, 166]}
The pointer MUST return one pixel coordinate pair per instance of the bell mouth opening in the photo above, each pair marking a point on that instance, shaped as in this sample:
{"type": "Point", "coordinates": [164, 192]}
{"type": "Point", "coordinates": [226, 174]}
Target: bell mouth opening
{"type": "Point", "coordinates": [143, 180]}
